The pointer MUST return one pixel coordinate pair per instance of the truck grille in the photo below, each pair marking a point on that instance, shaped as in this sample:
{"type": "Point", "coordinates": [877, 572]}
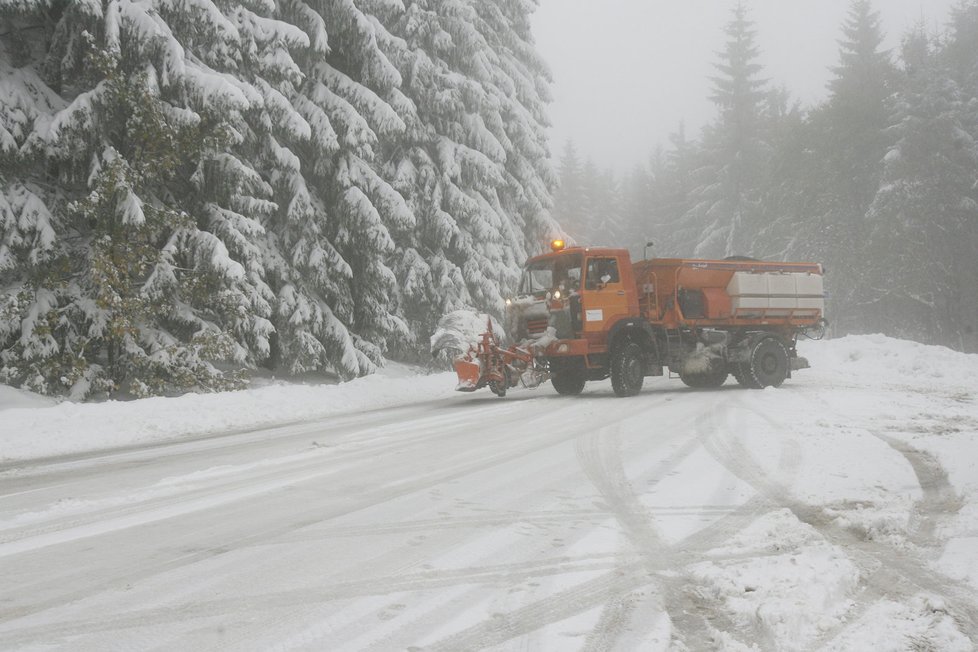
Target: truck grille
{"type": "Point", "coordinates": [535, 326]}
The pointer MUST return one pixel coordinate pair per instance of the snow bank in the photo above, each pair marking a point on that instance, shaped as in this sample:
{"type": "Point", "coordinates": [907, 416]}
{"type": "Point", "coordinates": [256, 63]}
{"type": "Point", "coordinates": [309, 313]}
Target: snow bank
{"type": "Point", "coordinates": [32, 426]}
{"type": "Point", "coordinates": [11, 397]}
{"type": "Point", "coordinates": [878, 358]}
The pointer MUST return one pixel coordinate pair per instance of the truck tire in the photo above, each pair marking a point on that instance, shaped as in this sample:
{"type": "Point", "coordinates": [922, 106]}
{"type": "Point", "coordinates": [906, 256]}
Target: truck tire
{"type": "Point", "coordinates": [740, 372]}
{"type": "Point", "coordinates": [705, 380]}
{"type": "Point", "coordinates": [568, 383]}
{"type": "Point", "coordinates": [627, 369]}
{"type": "Point", "coordinates": [768, 366]}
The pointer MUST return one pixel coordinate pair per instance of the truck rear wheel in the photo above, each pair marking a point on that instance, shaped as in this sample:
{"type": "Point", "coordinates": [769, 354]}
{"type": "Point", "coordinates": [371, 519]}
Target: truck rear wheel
{"type": "Point", "coordinates": [568, 383]}
{"type": "Point", "coordinates": [768, 366]}
{"type": "Point", "coordinates": [741, 373]}
{"type": "Point", "coordinates": [627, 369]}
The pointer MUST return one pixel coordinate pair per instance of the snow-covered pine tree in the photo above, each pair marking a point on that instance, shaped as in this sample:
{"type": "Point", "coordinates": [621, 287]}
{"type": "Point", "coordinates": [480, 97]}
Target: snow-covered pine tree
{"type": "Point", "coordinates": [590, 201]}
{"type": "Point", "coordinates": [790, 229]}
{"type": "Point", "coordinates": [922, 222]}
{"type": "Point", "coordinates": [185, 182]}
{"type": "Point", "coordinates": [842, 148]}
{"type": "Point", "coordinates": [568, 197]}
{"type": "Point", "coordinates": [138, 297]}
{"type": "Point", "coordinates": [959, 49]}
{"type": "Point", "coordinates": [857, 111]}
{"type": "Point", "coordinates": [656, 198]}
{"type": "Point", "coordinates": [338, 292]}
{"type": "Point", "coordinates": [603, 203]}
{"type": "Point", "coordinates": [473, 161]}
{"type": "Point", "coordinates": [523, 90]}
{"type": "Point", "coordinates": [725, 203]}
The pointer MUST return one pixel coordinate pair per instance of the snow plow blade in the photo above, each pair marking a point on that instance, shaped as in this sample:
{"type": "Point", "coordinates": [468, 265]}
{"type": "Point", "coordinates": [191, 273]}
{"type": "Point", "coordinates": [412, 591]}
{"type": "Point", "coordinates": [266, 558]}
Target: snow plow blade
{"type": "Point", "coordinates": [469, 375]}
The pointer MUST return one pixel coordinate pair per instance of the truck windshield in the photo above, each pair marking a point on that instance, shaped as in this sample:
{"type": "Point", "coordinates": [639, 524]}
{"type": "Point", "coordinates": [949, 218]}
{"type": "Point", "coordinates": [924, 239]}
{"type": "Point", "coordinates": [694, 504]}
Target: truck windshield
{"type": "Point", "coordinates": [542, 276]}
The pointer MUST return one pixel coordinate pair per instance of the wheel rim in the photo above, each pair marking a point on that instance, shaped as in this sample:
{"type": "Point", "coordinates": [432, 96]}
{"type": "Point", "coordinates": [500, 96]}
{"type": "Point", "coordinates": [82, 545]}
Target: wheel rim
{"type": "Point", "coordinates": [634, 371]}
{"type": "Point", "coordinates": [770, 363]}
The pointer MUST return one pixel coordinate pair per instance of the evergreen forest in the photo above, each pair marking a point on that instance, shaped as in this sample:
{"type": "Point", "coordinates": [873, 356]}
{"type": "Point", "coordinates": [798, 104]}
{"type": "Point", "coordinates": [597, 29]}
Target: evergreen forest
{"type": "Point", "coordinates": [190, 189]}
{"type": "Point", "coordinates": [879, 182]}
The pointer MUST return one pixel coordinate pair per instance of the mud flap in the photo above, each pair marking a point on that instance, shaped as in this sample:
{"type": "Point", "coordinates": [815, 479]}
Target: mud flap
{"type": "Point", "coordinates": [799, 363]}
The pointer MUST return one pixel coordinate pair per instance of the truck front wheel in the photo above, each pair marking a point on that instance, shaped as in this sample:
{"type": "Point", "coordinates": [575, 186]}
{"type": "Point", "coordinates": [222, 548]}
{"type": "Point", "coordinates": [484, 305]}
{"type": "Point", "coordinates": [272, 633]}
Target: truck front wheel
{"type": "Point", "coordinates": [768, 366]}
{"type": "Point", "coordinates": [568, 383]}
{"type": "Point", "coordinates": [627, 369]}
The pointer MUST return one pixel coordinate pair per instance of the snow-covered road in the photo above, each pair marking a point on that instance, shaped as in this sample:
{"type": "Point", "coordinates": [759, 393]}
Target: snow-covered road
{"type": "Point", "coordinates": [837, 512]}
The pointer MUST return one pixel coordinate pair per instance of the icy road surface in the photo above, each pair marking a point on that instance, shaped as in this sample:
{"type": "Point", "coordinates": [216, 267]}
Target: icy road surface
{"type": "Point", "coordinates": [839, 512]}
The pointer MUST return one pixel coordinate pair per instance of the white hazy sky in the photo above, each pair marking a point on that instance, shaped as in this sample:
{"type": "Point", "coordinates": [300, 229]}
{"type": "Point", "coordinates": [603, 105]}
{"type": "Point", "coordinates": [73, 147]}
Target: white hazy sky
{"type": "Point", "coordinates": [627, 72]}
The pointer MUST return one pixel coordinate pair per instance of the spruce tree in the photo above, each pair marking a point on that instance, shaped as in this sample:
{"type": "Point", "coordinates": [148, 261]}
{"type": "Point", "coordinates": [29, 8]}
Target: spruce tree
{"type": "Point", "coordinates": [837, 161]}
{"type": "Point", "coordinates": [331, 246]}
{"type": "Point", "coordinates": [857, 110]}
{"type": "Point", "coordinates": [139, 297]}
{"type": "Point", "coordinates": [725, 204]}
{"type": "Point", "coordinates": [568, 198]}
{"type": "Point", "coordinates": [473, 162]}
{"type": "Point", "coordinates": [923, 219]}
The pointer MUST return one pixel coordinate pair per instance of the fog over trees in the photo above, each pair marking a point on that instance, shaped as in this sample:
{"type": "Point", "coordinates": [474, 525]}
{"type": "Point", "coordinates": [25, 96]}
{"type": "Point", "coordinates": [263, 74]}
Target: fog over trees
{"type": "Point", "coordinates": [878, 182]}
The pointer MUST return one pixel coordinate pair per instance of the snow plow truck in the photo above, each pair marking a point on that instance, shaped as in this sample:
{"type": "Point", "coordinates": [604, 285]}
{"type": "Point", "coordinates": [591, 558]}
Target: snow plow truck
{"type": "Point", "coordinates": [587, 313]}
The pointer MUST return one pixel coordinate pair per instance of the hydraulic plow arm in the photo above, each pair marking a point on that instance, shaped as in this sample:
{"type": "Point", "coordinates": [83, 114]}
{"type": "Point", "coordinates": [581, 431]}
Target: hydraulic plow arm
{"type": "Point", "coordinates": [488, 364]}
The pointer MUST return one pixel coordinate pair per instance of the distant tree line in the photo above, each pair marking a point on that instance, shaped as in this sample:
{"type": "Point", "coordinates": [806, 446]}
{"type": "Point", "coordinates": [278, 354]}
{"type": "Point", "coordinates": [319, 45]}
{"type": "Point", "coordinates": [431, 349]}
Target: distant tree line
{"type": "Point", "coordinates": [879, 182]}
{"type": "Point", "coordinates": [193, 188]}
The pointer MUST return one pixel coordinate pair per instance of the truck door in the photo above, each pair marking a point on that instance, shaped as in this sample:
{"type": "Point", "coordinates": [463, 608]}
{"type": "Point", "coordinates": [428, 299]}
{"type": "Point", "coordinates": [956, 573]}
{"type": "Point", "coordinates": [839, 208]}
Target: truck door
{"type": "Point", "coordinates": [603, 297]}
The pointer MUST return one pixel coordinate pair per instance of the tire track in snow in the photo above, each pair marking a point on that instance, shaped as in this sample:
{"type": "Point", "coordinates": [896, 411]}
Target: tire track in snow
{"type": "Point", "coordinates": [884, 571]}
{"type": "Point", "coordinates": [692, 619]}
{"type": "Point", "coordinates": [363, 446]}
{"type": "Point", "coordinates": [884, 567]}
{"type": "Point", "coordinates": [939, 501]}
{"type": "Point", "coordinates": [569, 602]}
{"type": "Point", "coordinates": [615, 616]}
{"type": "Point", "coordinates": [502, 574]}
{"type": "Point", "coordinates": [300, 519]}
{"type": "Point", "coordinates": [599, 455]}
{"type": "Point", "coordinates": [532, 614]}
{"type": "Point", "coordinates": [560, 606]}
{"type": "Point", "coordinates": [496, 520]}
{"type": "Point", "coordinates": [474, 459]}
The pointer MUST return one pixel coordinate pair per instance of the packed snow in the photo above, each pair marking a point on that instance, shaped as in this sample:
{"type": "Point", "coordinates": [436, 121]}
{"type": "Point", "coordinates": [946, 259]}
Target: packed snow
{"type": "Point", "coordinates": [837, 512]}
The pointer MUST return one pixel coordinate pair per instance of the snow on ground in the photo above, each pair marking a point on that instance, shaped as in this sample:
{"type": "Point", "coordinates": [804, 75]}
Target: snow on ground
{"type": "Point", "coordinates": [837, 512]}
{"type": "Point", "coordinates": [33, 426]}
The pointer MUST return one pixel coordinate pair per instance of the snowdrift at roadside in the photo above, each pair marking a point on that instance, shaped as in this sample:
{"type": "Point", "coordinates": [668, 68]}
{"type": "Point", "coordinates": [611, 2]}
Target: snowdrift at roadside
{"type": "Point", "coordinates": [33, 427]}
{"type": "Point", "coordinates": [878, 358]}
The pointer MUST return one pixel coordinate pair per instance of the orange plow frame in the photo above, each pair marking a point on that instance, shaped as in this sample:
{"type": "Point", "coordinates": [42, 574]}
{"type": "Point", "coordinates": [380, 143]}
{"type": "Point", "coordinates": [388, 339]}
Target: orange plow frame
{"type": "Point", "coordinates": [486, 363]}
